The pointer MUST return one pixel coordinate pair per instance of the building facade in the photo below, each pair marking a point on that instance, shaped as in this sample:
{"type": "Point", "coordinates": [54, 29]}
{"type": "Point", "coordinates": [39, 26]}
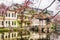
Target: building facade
{"type": "Point", "coordinates": [8, 19]}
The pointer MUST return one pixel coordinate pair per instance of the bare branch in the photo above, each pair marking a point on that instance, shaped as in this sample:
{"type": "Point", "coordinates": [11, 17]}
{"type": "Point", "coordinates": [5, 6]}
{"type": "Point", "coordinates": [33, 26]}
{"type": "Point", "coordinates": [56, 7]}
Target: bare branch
{"type": "Point", "coordinates": [59, 0]}
{"type": "Point", "coordinates": [56, 14]}
{"type": "Point", "coordinates": [49, 5]}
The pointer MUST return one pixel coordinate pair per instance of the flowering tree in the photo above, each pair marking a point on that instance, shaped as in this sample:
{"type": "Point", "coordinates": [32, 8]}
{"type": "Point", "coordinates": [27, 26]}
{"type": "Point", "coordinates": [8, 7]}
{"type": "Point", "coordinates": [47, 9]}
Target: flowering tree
{"type": "Point", "coordinates": [59, 0]}
{"type": "Point", "coordinates": [21, 11]}
{"type": "Point", "coordinates": [3, 9]}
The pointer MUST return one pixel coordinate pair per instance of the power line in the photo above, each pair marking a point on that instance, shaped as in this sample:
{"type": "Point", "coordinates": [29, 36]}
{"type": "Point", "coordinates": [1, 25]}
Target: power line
{"type": "Point", "coordinates": [39, 3]}
{"type": "Point", "coordinates": [56, 14]}
{"type": "Point", "coordinates": [49, 5]}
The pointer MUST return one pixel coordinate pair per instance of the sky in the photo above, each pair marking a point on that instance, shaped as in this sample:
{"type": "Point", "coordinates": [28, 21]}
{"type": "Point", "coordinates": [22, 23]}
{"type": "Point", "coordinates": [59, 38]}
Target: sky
{"type": "Point", "coordinates": [41, 3]}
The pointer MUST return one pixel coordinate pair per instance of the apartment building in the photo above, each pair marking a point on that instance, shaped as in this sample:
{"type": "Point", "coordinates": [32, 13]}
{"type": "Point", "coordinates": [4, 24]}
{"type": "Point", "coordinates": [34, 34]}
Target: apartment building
{"type": "Point", "coordinates": [8, 19]}
{"type": "Point", "coordinates": [8, 36]}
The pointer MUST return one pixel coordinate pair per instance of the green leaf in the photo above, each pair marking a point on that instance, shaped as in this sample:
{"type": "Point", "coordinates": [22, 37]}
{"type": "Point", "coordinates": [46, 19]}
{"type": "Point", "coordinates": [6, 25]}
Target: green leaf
{"type": "Point", "coordinates": [52, 26]}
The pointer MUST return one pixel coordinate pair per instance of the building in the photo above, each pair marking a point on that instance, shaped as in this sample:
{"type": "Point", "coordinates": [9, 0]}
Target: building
{"type": "Point", "coordinates": [57, 22]}
{"type": "Point", "coordinates": [10, 18]}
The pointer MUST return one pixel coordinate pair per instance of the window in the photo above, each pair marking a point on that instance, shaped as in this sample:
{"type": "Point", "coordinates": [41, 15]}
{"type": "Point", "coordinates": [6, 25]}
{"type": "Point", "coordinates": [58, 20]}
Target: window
{"type": "Point", "coordinates": [9, 35]}
{"type": "Point", "coordinates": [43, 23]}
{"type": "Point", "coordinates": [13, 15]}
{"type": "Point", "coordinates": [9, 22]}
{"type": "Point", "coordinates": [12, 35]}
{"type": "Point", "coordinates": [6, 36]}
{"type": "Point", "coordinates": [7, 14]}
{"type": "Point", "coordinates": [2, 22]}
{"type": "Point", "coordinates": [6, 22]}
{"type": "Point", "coordinates": [13, 22]}
{"type": "Point", "coordinates": [42, 30]}
{"type": "Point", "coordinates": [2, 36]}
{"type": "Point", "coordinates": [47, 30]}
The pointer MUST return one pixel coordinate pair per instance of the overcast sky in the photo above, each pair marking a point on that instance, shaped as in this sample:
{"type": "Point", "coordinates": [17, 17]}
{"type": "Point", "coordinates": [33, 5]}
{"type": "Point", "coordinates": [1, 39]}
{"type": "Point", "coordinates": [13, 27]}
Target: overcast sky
{"type": "Point", "coordinates": [41, 3]}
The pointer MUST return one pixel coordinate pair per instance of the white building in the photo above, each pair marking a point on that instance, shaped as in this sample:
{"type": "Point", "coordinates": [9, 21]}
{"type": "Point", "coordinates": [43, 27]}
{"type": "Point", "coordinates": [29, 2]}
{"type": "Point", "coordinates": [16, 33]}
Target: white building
{"type": "Point", "coordinates": [8, 20]}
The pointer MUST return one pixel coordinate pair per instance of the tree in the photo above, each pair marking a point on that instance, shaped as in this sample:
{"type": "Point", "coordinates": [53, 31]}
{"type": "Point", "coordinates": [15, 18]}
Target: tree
{"type": "Point", "coordinates": [56, 14]}
{"type": "Point", "coordinates": [3, 10]}
{"type": "Point", "coordinates": [21, 11]}
{"type": "Point", "coordinates": [59, 0]}
{"type": "Point", "coordinates": [49, 5]}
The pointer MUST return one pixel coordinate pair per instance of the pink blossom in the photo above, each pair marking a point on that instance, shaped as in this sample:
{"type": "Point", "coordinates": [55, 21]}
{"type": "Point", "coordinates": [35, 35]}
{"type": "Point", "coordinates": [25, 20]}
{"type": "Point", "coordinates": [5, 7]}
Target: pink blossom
{"type": "Point", "coordinates": [3, 8]}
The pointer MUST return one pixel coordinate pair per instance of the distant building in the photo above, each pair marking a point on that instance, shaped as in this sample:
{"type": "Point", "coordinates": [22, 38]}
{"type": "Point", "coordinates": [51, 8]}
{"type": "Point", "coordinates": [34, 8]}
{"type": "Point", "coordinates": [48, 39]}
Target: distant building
{"type": "Point", "coordinates": [8, 19]}
{"type": "Point", "coordinates": [57, 19]}
{"type": "Point", "coordinates": [57, 22]}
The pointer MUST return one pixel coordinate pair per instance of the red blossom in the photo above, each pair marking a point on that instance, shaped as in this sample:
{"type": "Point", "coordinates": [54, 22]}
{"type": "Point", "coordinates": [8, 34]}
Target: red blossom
{"type": "Point", "coordinates": [3, 8]}
{"type": "Point", "coordinates": [27, 2]}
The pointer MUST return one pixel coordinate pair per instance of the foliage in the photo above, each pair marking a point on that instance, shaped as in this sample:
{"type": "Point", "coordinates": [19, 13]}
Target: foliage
{"type": "Point", "coordinates": [4, 30]}
{"type": "Point", "coordinates": [52, 26]}
{"type": "Point", "coordinates": [32, 12]}
{"type": "Point", "coordinates": [14, 29]}
{"type": "Point", "coordinates": [18, 22]}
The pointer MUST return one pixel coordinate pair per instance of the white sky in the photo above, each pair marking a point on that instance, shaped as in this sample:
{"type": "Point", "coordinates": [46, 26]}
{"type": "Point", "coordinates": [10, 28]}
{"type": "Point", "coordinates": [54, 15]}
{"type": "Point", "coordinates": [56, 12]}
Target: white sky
{"type": "Point", "coordinates": [43, 4]}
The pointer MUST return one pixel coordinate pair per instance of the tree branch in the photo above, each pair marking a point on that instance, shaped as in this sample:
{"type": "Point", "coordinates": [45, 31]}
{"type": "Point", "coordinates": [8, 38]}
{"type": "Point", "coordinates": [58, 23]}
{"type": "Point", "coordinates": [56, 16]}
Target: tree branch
{"type": "Point", "coordinates": [56, 14]}
{"type": "Point", "coordinates": [49, 5]}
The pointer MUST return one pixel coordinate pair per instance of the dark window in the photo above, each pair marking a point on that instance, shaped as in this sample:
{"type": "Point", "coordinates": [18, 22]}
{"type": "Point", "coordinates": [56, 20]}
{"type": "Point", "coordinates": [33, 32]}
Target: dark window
{"type": "Point", "coordinates": [2, 35]}
{"type": "Point", "coordinates": [6, 22]}
{"type": "Point", "coordinates": [43, 30]}
{"type": "Point", "coordinates": [12, 35]}
{"type": "Point", "coordinates": [9, 22]}
{"type": "Point", "coordinates": [47, 19]}
{"type": "Point", "coordinates": [12, 22]}
{"type": "Point", "coordinates": [6, 14]}
{"type": "Point", "coordinates": [9, 35]}
{"type": "Point", "coordinates": [9, 14]}
{"type": "Point", "coordinates": [2, 22]}
{"type": "Point", "coordinates": [5, 36]}
{"type": "Point", "coordinates": [47, 30]}
{"type": "Point", "coordinates": [12, 14]}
